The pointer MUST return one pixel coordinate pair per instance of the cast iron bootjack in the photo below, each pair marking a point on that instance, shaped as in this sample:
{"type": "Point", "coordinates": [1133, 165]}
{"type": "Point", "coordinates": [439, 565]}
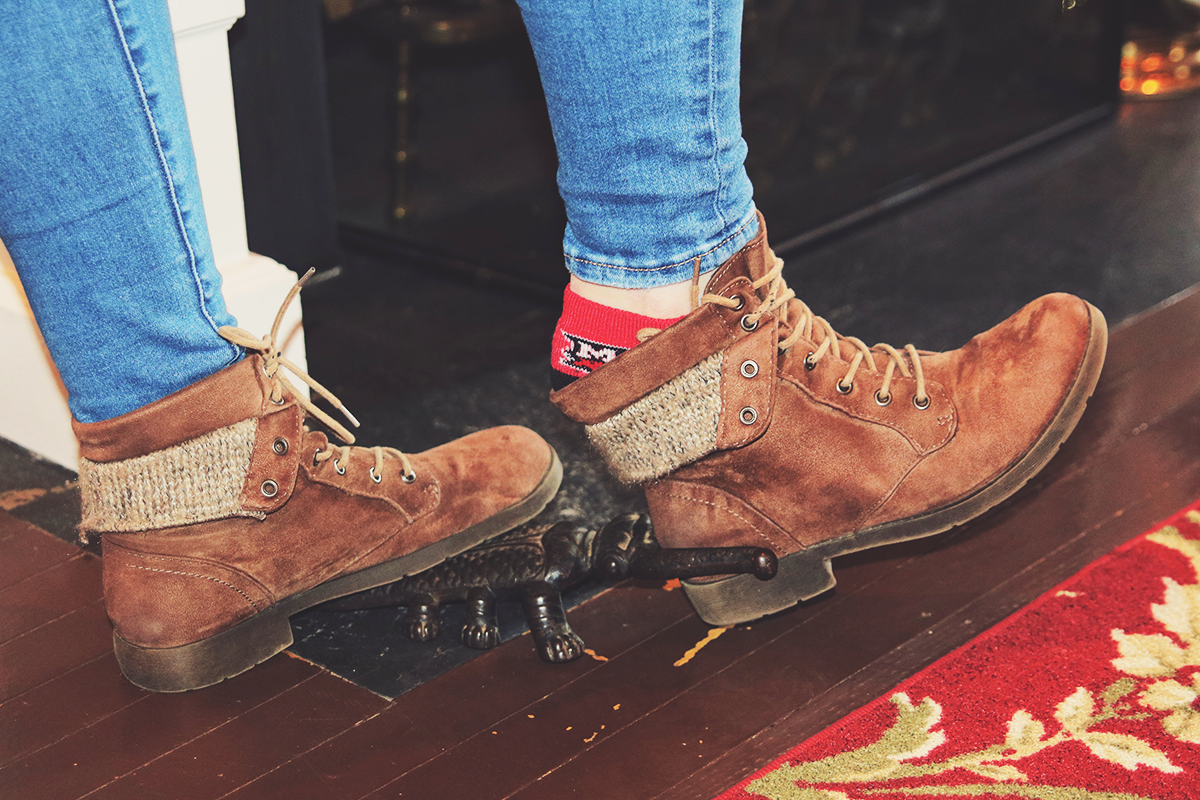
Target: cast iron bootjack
{"type": "Point", "coordinates": [535, 564]}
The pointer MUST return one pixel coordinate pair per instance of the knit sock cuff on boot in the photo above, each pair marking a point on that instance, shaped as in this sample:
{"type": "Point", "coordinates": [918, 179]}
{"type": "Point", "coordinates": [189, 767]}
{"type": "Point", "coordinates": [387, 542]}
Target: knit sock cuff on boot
{"type": "Point", "coordinates": [196, 481]}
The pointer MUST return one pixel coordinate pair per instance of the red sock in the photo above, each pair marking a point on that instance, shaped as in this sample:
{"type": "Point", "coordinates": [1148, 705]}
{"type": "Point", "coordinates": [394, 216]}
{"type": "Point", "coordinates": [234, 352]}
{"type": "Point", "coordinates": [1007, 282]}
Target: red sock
{"type": "Point", "coordinates": [590, 334]}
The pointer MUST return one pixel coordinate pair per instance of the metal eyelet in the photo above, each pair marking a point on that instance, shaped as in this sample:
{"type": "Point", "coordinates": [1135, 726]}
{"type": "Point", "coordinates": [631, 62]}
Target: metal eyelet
{"type": "Point", "coordinates": [315, 454]}
{"type": "Point", "coordinates": [919, 405]}
{"type": "Point", "coordinates": [741, 303]}
{"type": "Point", "coordinates": [749, 369]}
{"type": "Point", "coordinates": [883, 401]}
{"type": "Point", "coordinates": [809, 364]}
{"type": "Point", "coordinates": [748, 416]}
{"type": "Point", "coordinates": [280, 401]}
{"type": "Point", "coordinates": [410, 477]}
{"type": "Point", "coordinates": [374, 477]}
{"type": "Point", "coordinates": [269, 488]}
{"type": "Point", "coordinates": [844, 389]}
{"type": "Point", "coordinates": [338, 468]}
{"type": "Point", "coordinates": [280, 446]}
{"type": "Point", "coordinates": [747, 325]}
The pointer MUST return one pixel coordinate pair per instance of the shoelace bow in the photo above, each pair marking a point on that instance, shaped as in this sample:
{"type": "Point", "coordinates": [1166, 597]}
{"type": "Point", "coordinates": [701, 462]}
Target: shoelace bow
{"type": "Point", "coordinates": [273, 359]}
{"type": "Point", "coordinates": [804, 323]}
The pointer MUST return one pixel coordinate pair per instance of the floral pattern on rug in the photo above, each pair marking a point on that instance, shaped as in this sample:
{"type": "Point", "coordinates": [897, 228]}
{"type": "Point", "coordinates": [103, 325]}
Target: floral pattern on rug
{"type": "Point", "coordinates": [1089, 693]}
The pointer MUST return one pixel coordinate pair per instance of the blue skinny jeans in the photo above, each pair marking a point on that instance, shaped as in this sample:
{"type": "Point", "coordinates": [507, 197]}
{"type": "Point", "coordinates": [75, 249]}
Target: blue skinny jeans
{"type": "Point", "coordinates": [100, 204]}
{"type": "Point", "coordinates": [644, 103]}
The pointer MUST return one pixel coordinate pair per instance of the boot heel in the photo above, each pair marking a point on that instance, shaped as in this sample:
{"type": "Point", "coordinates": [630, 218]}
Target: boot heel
{"type": "Point", "coordinates": [742, 598]}
{"type": "Point", "coordinates": [208, 661]}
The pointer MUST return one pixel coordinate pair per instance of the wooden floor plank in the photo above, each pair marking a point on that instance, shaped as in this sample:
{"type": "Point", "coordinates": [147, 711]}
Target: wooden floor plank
{"type": "Point", "coordinates": [294, 780]}
{"type": "Point", "coordinates": [477, 695]}
{"type": "Point", "coordinates": [135, 736]}
{"type": "Point", "coordinates": [63, 706]}
{"type": "Point", "coordinates": [26, 551]}
{"type": "Point", "coordinates": [262, 738]}
{"type": "Point", "coordinates": [562, 724]}
{"type": "Point", "coordinates": [54, 618]}
{"type": "Point", "coordinates": [51, 594]}
{"type": "Point", "coordinates": [54, 649]}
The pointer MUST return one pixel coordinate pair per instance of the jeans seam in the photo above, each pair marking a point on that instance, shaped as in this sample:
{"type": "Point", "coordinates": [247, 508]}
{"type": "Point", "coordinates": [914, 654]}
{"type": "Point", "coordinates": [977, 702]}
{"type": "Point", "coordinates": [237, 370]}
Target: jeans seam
{"type": "Point", "coordinates": [708, 252]}
{"type": "Point", "coordinates": [166, 167]}
{"type": "Point", "coordinates": [713, 126]}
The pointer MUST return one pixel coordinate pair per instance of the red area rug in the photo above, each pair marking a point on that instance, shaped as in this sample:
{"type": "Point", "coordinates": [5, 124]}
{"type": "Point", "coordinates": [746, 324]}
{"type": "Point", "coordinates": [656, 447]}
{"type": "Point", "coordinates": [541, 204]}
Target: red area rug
{"type": "Point", "coordinates": [1088, 693]}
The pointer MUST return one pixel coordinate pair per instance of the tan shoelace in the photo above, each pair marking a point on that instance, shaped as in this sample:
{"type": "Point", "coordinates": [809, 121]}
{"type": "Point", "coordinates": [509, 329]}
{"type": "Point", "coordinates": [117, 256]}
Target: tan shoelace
{"type": "Point", "coordinates": [273, 359]}
{"type": "Point", "coordinates": [807, 324]}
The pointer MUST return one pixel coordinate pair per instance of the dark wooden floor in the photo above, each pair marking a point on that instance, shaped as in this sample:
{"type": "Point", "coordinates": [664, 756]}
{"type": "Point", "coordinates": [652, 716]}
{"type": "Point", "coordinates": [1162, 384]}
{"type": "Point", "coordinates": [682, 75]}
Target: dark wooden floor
{"type": "Point", "coordinates": [637, 723]}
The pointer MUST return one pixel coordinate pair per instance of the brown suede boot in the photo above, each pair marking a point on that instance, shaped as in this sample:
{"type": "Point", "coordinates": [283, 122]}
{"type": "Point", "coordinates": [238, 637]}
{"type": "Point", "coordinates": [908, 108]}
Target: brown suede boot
{"type": "Point", "coordinates": [222, 515]}
{"type": "Point", "coordinates": [751, 422]}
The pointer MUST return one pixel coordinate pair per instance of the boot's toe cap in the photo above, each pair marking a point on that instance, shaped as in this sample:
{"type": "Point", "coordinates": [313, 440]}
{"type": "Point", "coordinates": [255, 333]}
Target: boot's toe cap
{"type": "Point", "coordinates": [485, 472]}
{"type": "Point", "coordinates": [1018, 390]}
{"type": "Point", "coordinates": [1012, 381]}
{"type": "Point", "coordinates": [1008, 383]}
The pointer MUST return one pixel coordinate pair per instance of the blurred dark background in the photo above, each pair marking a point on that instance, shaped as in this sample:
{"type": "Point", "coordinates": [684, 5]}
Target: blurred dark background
{"type": "Point", "coordinates": [421, 128]}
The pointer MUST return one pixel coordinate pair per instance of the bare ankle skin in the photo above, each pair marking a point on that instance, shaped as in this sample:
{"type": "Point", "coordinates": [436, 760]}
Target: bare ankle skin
{"type": "Point", "coordinates": [662, 302]}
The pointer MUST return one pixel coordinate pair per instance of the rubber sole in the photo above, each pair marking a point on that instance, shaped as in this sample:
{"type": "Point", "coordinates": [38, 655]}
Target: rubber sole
{"type": "Point", "coordinates": [808, 573]}
{"type": "Point", "coordinates": [254, 640]}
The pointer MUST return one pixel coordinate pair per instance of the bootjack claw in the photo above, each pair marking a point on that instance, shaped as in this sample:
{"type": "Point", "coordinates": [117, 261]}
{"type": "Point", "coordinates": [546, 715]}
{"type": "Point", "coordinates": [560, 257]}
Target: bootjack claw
{"type": "Point", "coordinates": [481, 631]}
{"type": "Point", "coordinates": [560, 648]}
{"type": "Point", "coordinates": [552, 634]}
{"type": "Point", "coordinates": [421, 623]}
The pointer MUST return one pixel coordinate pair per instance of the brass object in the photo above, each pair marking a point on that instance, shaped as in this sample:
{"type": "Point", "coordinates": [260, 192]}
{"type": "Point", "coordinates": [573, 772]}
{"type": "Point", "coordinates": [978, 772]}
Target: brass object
{"type": "Point", "coordinates": [1160, 66]}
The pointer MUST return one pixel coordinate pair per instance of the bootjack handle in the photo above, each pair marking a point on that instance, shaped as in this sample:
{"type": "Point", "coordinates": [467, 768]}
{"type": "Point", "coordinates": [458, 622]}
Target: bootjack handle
{"type": "Point", "coordinates": [626, 548]}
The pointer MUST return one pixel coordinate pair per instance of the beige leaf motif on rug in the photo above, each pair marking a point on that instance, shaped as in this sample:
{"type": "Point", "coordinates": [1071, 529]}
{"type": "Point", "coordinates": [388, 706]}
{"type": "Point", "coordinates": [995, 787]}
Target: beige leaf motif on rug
{"type": "Point", "coordinates": [1151, 660]}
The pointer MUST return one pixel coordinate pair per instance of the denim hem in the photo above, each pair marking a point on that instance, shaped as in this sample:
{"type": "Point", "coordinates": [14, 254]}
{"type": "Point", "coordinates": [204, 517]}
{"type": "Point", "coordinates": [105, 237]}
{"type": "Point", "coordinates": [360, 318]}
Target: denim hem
{"type": "Point", "coordinates": [679, 270]}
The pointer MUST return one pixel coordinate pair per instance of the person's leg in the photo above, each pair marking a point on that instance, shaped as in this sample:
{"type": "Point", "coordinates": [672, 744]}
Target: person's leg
{"type": "Point", "coordinates": [222, 513]}
{"type": "Point", "coordinates": [750, 421]}
{"type": "Point", "coordinates": [99, 202]}
{"type": "Point", "coordinates": [643, 99]}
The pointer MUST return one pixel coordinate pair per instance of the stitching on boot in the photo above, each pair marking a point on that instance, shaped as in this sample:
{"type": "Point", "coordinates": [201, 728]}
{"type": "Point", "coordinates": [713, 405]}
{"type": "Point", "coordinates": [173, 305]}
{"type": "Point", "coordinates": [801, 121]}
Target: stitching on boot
{"type": "Point", "coordinates": [196, 481]}
{"type": "Point", "coordinates": [253, 604]}
{"type": "Point", "coordinates": [127, 554]}
{"type": "Point", "coordinates": [673, 425]}
{"type": "Point", "coordinates": [784, 547]}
